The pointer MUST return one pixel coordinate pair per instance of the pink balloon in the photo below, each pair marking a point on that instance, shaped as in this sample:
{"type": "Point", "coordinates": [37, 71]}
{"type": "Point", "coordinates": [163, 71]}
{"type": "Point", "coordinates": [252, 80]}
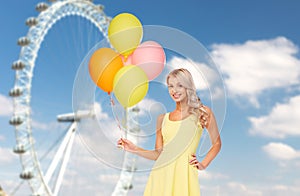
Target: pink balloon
{"type": "Point", "coordinates": [150, 56]}
{"type": "Point", "coordinates": [127, 61]}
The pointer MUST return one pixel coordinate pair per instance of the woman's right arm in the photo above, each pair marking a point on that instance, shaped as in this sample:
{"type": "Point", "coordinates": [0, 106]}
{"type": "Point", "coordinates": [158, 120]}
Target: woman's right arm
{"type": "Point", "coordinates": [148, 154]}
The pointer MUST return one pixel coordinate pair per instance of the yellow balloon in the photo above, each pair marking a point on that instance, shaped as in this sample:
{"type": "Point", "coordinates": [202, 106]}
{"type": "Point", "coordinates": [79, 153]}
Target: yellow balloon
{"type": "Point", "coordinates": [130, 85]}
{"type": "Point", "coordinates": [125, 33]}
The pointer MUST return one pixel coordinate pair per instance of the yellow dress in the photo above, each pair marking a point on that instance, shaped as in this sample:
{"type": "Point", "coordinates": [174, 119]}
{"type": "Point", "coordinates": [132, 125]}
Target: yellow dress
{"type": "Point", "coordinates": [172, 175]}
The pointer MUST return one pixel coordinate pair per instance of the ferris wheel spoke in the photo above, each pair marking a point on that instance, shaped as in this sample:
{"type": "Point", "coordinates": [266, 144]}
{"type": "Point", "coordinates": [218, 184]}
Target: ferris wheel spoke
{"type": "Point", "coordinates": [64, 163]}
{"type": "Point", "coordinates": [60, 152]}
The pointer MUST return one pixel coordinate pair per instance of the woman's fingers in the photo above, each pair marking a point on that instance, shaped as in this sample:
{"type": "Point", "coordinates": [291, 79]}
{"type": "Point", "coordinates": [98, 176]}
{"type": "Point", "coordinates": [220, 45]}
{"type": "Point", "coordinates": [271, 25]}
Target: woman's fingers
{"type": "Point", "coordinates": [204, 116]}
{"type": "Point", "coordinates": [126, 144]}
{"type": "Point", "coordinates": [193, 162]}
{"type": "Point", "coordinates": [203, 121]}
{"type": "Point", "coordinates": [121, 143]}
{"type": "Point", "coordinates": [200, 166]}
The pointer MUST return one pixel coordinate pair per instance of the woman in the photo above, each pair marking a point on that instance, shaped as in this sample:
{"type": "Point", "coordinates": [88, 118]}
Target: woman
{"type": "Point", "coordinates": [177, 137]}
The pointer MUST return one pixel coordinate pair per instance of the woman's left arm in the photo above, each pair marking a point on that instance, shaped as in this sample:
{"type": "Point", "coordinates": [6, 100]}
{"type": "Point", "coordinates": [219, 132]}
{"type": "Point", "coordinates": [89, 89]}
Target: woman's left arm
{"type": "Point", "coordinates": [214, 135]}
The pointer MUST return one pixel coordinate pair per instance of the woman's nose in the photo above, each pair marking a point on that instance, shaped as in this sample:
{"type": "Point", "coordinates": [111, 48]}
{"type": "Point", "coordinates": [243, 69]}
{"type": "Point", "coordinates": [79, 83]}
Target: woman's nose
{"type": "Point", "coordinates": [174, 90]}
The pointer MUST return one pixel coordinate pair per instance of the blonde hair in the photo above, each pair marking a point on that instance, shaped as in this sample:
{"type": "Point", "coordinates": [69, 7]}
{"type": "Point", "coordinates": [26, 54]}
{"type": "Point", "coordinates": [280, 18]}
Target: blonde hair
{"type": "Point", "coordinates": [186, 79]}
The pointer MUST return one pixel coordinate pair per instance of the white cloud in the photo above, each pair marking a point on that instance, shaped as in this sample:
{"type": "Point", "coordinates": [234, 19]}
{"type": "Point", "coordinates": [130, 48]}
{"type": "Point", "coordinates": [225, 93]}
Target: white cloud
{"type": "Point", "coordinates": [206, 78]}
{"type": "Point", "coordinates": [2, 138]}
{"type": "Point", "coordinates": [47, 126]}
{"type": "Point", "coordinates": [99, 111]}
{"type": "Point", "coordinates": [10, 184]}
{"type": "Point", "coordinates": [202, 74]}
{"type": "Point", "coordinates": [281, 151]}
{"type": "Point", "coordinates": [230, 188]}
{"type": "Point", "coordinates": [206, 175]}
{"type": "Point", "coordinates": [283, 189]}
{"type": "Point", "coordinates": [255, 66]}
{"type": "Point", "coordinates": [147, 106]}
{"type": "Point", "coordinates": [89, 175]}
{"type": "Point", "coordinates": [237, 188]}
{"type": "Point", "coordinates": [6, 106]}
{"type": "Point", "coordinates": [282, 121]}
{"type": "Point", "coordinates": [6, 156]}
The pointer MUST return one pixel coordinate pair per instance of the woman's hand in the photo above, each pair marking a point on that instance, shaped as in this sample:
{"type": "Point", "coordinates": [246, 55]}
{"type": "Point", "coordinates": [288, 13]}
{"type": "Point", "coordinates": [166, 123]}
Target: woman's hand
{"type": "Point", "coordinates": [204, 116]}
{"type": "Point", "coordinates": [194, 162]}
{"type": "Point", "coordinates": [127, 145]}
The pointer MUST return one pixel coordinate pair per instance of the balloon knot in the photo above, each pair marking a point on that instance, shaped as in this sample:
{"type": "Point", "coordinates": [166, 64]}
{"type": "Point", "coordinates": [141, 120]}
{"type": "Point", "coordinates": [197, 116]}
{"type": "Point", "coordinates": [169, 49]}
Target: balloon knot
{"type": "Point", "coordinates": [125, 58]}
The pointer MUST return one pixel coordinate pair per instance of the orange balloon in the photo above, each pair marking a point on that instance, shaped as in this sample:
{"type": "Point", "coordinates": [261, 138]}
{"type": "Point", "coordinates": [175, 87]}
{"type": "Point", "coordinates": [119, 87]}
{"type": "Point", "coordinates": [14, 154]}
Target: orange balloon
{"type": "Point", "coordinates": [103, 66]}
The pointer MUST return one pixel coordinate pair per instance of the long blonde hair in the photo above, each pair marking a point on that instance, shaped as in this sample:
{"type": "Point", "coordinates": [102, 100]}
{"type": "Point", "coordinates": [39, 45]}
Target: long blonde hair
{"type": "Point", "coordinates": [186, 79]}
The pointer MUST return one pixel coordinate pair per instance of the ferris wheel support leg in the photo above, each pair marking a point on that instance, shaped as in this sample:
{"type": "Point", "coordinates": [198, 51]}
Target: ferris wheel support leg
{"type": "Point", "coordinates": [59, 153]}
{"type": "Point", "coordinates": [64, 164]}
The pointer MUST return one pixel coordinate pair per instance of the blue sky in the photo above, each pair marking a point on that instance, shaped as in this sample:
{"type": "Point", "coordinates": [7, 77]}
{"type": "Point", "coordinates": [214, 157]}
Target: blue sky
{"type": "Point", "coordinates": [255, 45]}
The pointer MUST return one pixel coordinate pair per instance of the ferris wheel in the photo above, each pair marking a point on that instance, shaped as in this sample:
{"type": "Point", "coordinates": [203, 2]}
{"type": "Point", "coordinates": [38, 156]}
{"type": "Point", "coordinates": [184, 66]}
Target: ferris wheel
{"type": "Point", "coordinates": [49, 14]}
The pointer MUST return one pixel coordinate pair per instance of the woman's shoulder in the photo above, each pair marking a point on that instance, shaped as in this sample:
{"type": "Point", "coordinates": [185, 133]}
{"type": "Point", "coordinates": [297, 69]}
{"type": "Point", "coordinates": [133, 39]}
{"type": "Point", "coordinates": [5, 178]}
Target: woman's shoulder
{"type": "Point", "coordinates": [161, 116]}
{"type": "Point", "coordinates": [160, 120]}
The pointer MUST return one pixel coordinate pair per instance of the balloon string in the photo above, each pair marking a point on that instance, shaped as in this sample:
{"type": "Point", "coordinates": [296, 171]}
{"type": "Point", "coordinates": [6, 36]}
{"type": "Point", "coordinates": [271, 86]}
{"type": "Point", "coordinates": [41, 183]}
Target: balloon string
{"type": "Point", "coordinates": [112, 102]}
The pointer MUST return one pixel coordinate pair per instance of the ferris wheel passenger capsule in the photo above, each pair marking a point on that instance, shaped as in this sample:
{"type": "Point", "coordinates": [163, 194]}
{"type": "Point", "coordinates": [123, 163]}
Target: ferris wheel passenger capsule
{"type": "Point", "coordinates": [19, 149]}
{"type": "Point", "coordinates": [40, 7]}
{"type": "Point", "coordinates": [18, 65]}
{"type": "Point", "coordinates": [101, 7]}
{"type": "Point", "coordinates": [23, 41]}
{"type": "Point", "coordinates": [16, 120]}
{"type": "Point", "coordinates": [15, 92]}
{"type": "Point", "coordinates": [127, 186]}
{"type": "Point", "coordinates": [31, 21]}
{"type": "Point", "coordinates": [26, 175]}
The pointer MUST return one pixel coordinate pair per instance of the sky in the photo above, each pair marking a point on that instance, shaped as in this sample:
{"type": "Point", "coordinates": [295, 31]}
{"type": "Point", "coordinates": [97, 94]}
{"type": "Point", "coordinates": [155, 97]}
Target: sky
{"type": "Point", "coordinates": [253, 44]}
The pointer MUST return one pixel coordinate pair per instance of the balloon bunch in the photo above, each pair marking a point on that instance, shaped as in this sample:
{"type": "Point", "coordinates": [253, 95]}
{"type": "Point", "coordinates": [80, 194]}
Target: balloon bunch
{"type": "Point", "coordinates": [127, 70]}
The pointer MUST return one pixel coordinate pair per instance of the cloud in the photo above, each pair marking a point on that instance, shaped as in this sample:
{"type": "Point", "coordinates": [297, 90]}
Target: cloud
{"type": "Point", "coordinates": [47, 126]}
{"type": "Point", "coordinates": [87, 175]}
{"type": "Point", "coordinates": [206, 78]}
{"type": "Point", "coordinates": [6, 106]}
{"type": "Point", "coordinates": [206, 175]}
{"type": "Point", "coordinates": [282, 189]}
{"type": "Point", "coordinates": [55, 125]}
{"type": "Point", "coordinates": [231, 188]}
{"type": "Point", "coordinates": [99, 111]}
{"type": "Point", "coordinates": [7, 156]}
{"type": "Point", "coordinates": [202, 74]}
{"type": "Point", "coordinates": [281, 122]}
{"type": "Point", "coordinates": [2, 138]}
{"type": "Point", "coordinates": [237, 188]}
{"type": "Point", "coordinates": [255, 66]}
{"type": "Point", "coordinates": [148, 105]}
{"type": "Point", "coordinates": [281, 151]}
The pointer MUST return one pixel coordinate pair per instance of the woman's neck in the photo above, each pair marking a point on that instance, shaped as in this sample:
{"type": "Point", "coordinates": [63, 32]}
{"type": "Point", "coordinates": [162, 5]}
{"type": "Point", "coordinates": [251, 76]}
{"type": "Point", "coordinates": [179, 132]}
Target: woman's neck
{"type": "Point", "coordinates": [182, 107]}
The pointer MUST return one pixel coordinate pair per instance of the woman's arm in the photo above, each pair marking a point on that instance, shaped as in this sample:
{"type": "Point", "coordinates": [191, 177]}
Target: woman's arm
{"type": "Point", "coordinates": [148, 154]}
{"type": "Point", "coordinates": [214, 135]}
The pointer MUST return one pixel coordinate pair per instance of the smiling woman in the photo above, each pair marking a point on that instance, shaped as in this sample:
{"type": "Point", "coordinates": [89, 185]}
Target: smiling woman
{"type": "Point", "coordinates": [177, 137]}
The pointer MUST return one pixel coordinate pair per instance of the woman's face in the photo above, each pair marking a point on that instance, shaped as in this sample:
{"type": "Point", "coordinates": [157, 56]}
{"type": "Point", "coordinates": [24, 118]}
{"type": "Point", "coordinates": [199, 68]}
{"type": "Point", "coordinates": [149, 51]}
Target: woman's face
{"type": "Point", "coordinates": [176, 90]}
